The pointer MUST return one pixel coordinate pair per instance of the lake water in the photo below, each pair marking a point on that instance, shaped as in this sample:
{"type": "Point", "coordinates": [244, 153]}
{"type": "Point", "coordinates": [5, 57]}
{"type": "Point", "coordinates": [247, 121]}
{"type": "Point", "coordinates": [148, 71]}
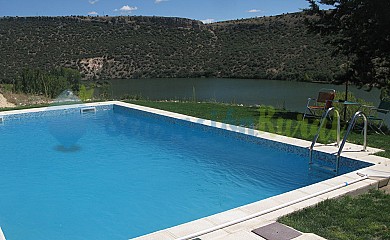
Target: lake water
{"type": "Point", "coordinates": [291, 95]}
{"type": "Point", "coordinates": [280, 94]}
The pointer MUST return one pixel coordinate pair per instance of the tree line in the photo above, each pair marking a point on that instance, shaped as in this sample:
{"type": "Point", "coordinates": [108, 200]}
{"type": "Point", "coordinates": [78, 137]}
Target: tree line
{"type": "Point", "coordinates": [151, 47]}
{"type": "Point", "coordinates": [48, 83]}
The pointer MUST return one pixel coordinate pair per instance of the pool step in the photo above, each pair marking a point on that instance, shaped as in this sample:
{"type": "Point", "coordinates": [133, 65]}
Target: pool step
{"type": "Point", "coordinates": [88, 110]}
{"type": "Point", "coordinates": [321, 167]}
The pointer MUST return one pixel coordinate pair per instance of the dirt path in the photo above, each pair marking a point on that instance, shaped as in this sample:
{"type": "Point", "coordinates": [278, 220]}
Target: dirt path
{"type": "Point", "coordinates": [4, 103]}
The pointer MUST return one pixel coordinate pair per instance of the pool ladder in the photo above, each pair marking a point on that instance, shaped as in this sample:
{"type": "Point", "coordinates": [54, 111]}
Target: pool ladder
{"type": "Point", "coordinates": [350, 127]}
{"type": "Point", "coordinates": [332, 109]}
{"type": "Point", "coordinates": [341, 146]}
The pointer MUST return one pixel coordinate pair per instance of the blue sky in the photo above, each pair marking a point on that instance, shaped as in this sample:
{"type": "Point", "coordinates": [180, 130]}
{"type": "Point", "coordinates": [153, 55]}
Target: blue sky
{"type": "Point", "coordinates": [212, 10]}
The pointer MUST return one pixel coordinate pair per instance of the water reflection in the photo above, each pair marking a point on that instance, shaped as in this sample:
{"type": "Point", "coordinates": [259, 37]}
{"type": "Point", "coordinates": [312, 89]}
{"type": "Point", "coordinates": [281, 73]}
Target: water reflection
{"type": "Point", "coordinates": [70, 129]}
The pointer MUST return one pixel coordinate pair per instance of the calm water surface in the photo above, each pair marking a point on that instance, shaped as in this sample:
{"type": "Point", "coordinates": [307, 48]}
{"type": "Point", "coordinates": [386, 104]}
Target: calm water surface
{"type": "Point", "coordinates": [291, 95]}
{"type": "Point", "coordinates": [280, 94]}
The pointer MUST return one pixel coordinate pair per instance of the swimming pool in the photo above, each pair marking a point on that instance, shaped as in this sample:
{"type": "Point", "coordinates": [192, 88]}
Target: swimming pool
{"type": "Point", "coordinates": [119, 173]}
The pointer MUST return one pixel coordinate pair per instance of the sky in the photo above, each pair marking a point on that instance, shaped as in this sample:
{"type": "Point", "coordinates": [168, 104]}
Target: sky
{"type": "Point", "coordinates": [204, 10]}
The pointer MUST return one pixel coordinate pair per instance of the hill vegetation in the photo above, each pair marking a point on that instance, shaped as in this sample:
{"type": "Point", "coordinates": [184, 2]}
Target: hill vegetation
{"type": "Point", "coordinates": [159, 47]}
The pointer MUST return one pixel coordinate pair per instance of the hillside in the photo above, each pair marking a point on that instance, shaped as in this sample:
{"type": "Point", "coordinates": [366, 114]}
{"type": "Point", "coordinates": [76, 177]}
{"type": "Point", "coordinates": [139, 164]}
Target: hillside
{"type": "Point", "coordinates": [158, 47]}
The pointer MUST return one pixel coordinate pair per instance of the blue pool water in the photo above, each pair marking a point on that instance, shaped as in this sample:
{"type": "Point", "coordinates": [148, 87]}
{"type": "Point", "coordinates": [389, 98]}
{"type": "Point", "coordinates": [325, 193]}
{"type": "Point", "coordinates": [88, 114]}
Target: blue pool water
{"type": "Point", "coordinates": [119, 174]}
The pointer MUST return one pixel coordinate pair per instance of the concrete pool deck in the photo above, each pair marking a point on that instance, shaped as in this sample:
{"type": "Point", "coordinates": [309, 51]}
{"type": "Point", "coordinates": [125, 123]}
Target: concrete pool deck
{"type": "Point", "coordinates": [242, 230]}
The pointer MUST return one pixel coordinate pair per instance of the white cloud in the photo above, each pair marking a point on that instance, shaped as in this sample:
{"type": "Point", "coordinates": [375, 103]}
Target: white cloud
{"type": "Point", "coordinates": [254, 11]}
{"type": "Point", "coordinates": [93, 1]}
{"type": "Point", "coordinates": [160, 1]}
{"type": "Point", "coordinates": [93, 13]}
{"type": "Point", "coordinates": [126, 9]}
{"type": "Point", "coordinates": [209, 20]}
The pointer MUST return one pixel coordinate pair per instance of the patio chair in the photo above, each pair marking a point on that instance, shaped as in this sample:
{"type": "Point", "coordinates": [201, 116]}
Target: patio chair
{"type": "Point", "coordinates": [316, 107]}
{"type": "Point", "coordinates": [375, 116]}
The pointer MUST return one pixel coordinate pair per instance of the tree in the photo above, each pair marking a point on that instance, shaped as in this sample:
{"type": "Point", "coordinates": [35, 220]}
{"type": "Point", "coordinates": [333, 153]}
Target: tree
{"type": "Point", "coordinates": [72, 77]}
{"type": "Point", "coordinates": [50, 84]}
{"type": "Point", "coordinates": [359, 29]}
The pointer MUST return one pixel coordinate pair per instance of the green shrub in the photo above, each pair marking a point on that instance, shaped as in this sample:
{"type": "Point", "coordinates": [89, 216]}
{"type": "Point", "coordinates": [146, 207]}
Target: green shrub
{"type": "Point", "coordinates": [85, 94]}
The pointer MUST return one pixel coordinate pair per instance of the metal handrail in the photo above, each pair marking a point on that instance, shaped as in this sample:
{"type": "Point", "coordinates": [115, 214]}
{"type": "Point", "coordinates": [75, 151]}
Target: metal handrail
{"type": "Point", "coordinates": [350, 127]}
{"type": "Point", "coordinates": [319, 130]}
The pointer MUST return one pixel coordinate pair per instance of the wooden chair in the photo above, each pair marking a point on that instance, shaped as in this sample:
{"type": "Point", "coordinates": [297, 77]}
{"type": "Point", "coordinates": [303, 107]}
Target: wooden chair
{"type": "Point", "coordinates": [316, 107]}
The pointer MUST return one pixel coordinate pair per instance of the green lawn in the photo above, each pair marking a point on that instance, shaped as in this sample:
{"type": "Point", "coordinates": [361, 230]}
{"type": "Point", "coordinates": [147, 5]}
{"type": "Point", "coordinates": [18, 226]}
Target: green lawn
{"type": "Point", "coordinates": [348, 218]}
{"type": "Point", "coordinates": [23, 107]}
{"type": "Point", "coordinates": [267, 119]}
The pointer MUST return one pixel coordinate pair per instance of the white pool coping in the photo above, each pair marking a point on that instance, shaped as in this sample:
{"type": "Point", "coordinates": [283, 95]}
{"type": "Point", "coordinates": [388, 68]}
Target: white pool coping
{"type": "Point", "coordinates": [243, 230]}
{"type": "Point", "coordinates": [2, 237]}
